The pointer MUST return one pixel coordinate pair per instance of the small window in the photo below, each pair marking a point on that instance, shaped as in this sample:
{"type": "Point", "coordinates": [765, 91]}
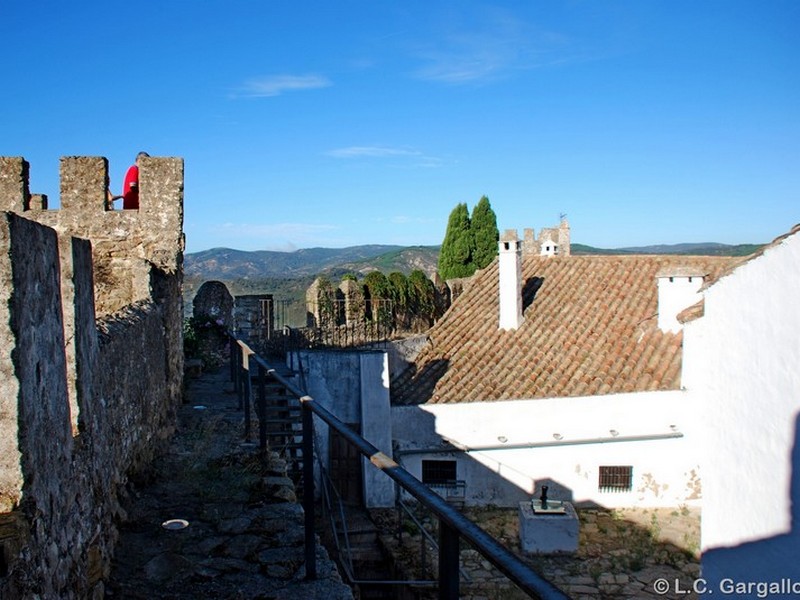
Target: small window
{"type": "Point", "coordinates": [438, 471]}
{"type": "Point", "coordinates": [615, 479]}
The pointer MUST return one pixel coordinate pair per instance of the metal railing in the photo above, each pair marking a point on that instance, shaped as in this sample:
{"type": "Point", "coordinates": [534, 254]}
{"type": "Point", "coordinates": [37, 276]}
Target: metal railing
{"type": "Point", "coordinates": [455, 492]}
{"type": "Point", "coordinates": [453, 526]}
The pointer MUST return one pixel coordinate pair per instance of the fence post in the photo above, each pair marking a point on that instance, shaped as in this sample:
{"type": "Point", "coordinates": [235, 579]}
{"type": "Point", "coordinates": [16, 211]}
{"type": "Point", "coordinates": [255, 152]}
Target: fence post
{"type": "Point", "coordinates": [240, 380]}
{"type": "Point", "coordinates": [262, 408]}
{"type": "Point", "coordinates": [232, 353]}
{"type": "Point", "coordinates": [248, 385]}
{"type": "Point", "coordinates": [448, 562]}
{"type": "Point", "coordinates": [308, 490]}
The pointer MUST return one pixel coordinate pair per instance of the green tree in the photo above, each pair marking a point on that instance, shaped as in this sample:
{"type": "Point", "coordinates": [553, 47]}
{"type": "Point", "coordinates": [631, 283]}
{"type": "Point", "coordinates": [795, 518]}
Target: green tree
{"type": "Point", "coordinates": [422, 295]}
{"type": "Point", "coordinates": [378, 292]}
{"type": "Point", "coordinates": [485, 232]}
{"type": "Point", "coordinates": [400, 294]}
{"type": "Point", "coordinates": [455, 256]}
{"type": "Point", "coordinates": [398, 290]}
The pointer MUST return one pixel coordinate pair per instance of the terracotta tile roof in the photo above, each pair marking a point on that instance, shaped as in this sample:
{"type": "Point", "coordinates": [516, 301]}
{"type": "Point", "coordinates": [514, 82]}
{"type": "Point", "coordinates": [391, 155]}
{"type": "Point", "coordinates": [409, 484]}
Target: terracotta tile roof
{"type": "Point", "coordinates": [590, 327]}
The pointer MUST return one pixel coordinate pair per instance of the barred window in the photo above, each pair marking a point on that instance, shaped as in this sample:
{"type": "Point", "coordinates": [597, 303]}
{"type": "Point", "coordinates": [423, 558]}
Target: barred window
{"type": "Point", "coordinates": [615, 479]}
{"type": "Point", "coordinates": [438, 471]}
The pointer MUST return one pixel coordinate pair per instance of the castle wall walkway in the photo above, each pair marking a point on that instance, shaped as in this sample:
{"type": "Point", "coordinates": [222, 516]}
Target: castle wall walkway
{"type": "Point", "coordinates": [243, 536]}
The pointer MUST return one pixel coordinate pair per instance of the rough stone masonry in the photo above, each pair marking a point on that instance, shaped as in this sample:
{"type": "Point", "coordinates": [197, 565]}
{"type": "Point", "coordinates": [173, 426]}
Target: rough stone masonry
{"type": "Point", "coordinates": [92, 365]}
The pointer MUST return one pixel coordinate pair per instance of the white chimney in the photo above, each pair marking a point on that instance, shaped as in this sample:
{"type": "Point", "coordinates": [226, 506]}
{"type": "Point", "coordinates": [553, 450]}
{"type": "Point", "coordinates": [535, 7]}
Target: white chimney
{"type": "Point", "coordinates": [678, 289]}
{"type": "Point", "coordinates": [510, 264]}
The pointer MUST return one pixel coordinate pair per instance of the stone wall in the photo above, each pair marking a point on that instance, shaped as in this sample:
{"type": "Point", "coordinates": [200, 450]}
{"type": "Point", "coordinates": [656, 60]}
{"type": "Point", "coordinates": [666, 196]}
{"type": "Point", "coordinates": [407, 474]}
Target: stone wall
{"type": "Point", "coordinates": [85, 401]}
{"type": "Point", "coordinates": [551, 240]}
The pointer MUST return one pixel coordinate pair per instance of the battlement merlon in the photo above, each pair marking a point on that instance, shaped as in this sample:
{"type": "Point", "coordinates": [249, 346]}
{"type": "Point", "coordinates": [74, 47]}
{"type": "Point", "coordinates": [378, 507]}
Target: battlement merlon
{"type": "Point", "coordinates": [14, 192]}
{"type": "Point", "coordinates": [158, 222]}
{"type": "Point", "coordinates": [83, 184]}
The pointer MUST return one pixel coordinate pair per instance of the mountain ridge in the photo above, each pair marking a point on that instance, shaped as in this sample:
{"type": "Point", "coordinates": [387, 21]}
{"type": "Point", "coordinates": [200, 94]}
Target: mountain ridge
{"type": "Point", "coordinates": [229, 263]}
{"type": "Point", "coordinates": [287, 275]}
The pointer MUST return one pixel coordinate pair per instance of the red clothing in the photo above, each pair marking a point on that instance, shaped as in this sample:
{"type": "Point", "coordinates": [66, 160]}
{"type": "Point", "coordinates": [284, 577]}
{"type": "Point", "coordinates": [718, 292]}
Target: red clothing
{"type": "Point", "coordinates": [130, 189]}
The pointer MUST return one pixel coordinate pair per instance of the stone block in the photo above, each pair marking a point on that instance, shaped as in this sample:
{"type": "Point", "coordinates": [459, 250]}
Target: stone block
{"type": "Point", "coordinates": [548, 534]}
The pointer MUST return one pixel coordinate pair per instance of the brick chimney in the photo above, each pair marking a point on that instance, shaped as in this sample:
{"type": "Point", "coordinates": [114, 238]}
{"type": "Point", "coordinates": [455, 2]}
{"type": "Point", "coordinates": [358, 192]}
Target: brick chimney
{"type": "Point", "coordinates": [678, 289]}
{"type": "Point", "coordinates": [510, 264]}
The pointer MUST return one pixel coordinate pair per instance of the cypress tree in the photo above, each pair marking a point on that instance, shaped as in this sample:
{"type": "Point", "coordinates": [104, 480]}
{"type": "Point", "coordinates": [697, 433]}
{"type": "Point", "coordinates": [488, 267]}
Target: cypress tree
{"type": "Point", "coordinates": [455, 256]}
{"type": "Point", "coordinates": [400, 294]}
{"type": "Point", "coordinates": [378, 290]}
{"type": "Point", "coordinates": [484, 229]}
{"type": "Point", "coordinates": [399, 290]}
{"type": "Point", "coordinates": [422, 295]}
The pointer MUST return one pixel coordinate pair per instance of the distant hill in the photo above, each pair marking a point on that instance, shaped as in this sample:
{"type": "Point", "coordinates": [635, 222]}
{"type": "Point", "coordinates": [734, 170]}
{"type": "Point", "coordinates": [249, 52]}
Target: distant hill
{"type": "Point", "coordinates": [287, 275]}
{"type": "Point", "coordinates": [404, 260]}
{"type": "Point", "coordinates": [226, 264]}
{"type": "Point", "coordinates": [695, 249]}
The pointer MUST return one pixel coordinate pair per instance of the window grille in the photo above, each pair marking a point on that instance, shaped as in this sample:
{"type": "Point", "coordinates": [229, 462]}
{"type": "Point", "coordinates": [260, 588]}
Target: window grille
{"type": "Point", "coordinates": [438, 471]}
{"type": "Point", "coordinates": [616, 479]}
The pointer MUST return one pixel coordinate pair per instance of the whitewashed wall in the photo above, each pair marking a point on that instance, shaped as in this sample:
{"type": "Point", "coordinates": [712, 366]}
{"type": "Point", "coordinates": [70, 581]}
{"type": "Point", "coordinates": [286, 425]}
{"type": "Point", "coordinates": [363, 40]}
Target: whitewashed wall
{"type": "Point", "coordinates": [665, 471]}
{"type": "Point", "coordinates": [354, 386]}
{"type": "Point", "coordinates": [676, 293]}
{"type": "Point", "coordinates": [742, 364]}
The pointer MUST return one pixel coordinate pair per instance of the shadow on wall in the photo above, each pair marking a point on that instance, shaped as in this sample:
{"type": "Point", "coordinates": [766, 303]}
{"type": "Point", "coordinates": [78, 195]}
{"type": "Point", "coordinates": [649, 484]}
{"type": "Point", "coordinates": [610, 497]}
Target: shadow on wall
{"type": "Point", "coordinates": [459, 476]}
{"type": "Point", "coordinates": [764, 561]}
{"type": "Point", "coordinates": [423, 381]}
{"type": "Point", "coordinates": [610, 541]}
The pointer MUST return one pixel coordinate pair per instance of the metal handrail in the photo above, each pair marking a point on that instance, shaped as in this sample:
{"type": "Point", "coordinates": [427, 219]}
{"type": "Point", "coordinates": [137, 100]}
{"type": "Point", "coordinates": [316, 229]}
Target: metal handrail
{"type": "Point", "coordinates": [452, 524]}
{"type": "Point", "coordinates": [424, 535]}
{"type": "Point", "coordinates": [348, 563]}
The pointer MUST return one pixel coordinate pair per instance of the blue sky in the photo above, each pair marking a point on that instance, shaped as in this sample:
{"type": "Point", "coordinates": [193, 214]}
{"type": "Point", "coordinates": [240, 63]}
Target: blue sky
{"type": "Point", "coordinates": [334, 124]}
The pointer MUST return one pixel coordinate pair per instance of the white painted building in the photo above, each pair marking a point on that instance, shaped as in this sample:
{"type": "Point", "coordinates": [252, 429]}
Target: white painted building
{"type": "Point", "coordinates": [354, 386]}
{"type": "Point", "coordinates": [742, 366]}
{"type": "Point", "coordinates": [601, 395]}
{"type": "Point", "coordinates": [619, 450]}
{"type": "Point", "coordinates": [576, 386]}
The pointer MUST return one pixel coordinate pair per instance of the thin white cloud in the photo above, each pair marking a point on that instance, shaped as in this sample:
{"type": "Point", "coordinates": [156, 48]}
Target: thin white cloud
{"type": "Point", "coordinates": [465, 59]}
{"type": "Point", "coordinates": [371, 152]}
{"type": "Point", "coordinates": [499, 46]}
{"type": "Point", "coordinates": [407, 156]}
{"type": "Point", "coordinates": [275, 85]}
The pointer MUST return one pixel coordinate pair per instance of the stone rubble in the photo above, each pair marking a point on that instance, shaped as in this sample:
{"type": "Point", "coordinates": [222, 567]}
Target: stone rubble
{"type": "Point", "coordinates": [622, 554]}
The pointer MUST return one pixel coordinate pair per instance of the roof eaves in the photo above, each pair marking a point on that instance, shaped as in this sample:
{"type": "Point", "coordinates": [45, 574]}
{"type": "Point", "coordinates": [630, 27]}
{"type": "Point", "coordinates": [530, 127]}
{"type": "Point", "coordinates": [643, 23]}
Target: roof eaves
{"type": "Point", "coordinates": [695, 311]}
